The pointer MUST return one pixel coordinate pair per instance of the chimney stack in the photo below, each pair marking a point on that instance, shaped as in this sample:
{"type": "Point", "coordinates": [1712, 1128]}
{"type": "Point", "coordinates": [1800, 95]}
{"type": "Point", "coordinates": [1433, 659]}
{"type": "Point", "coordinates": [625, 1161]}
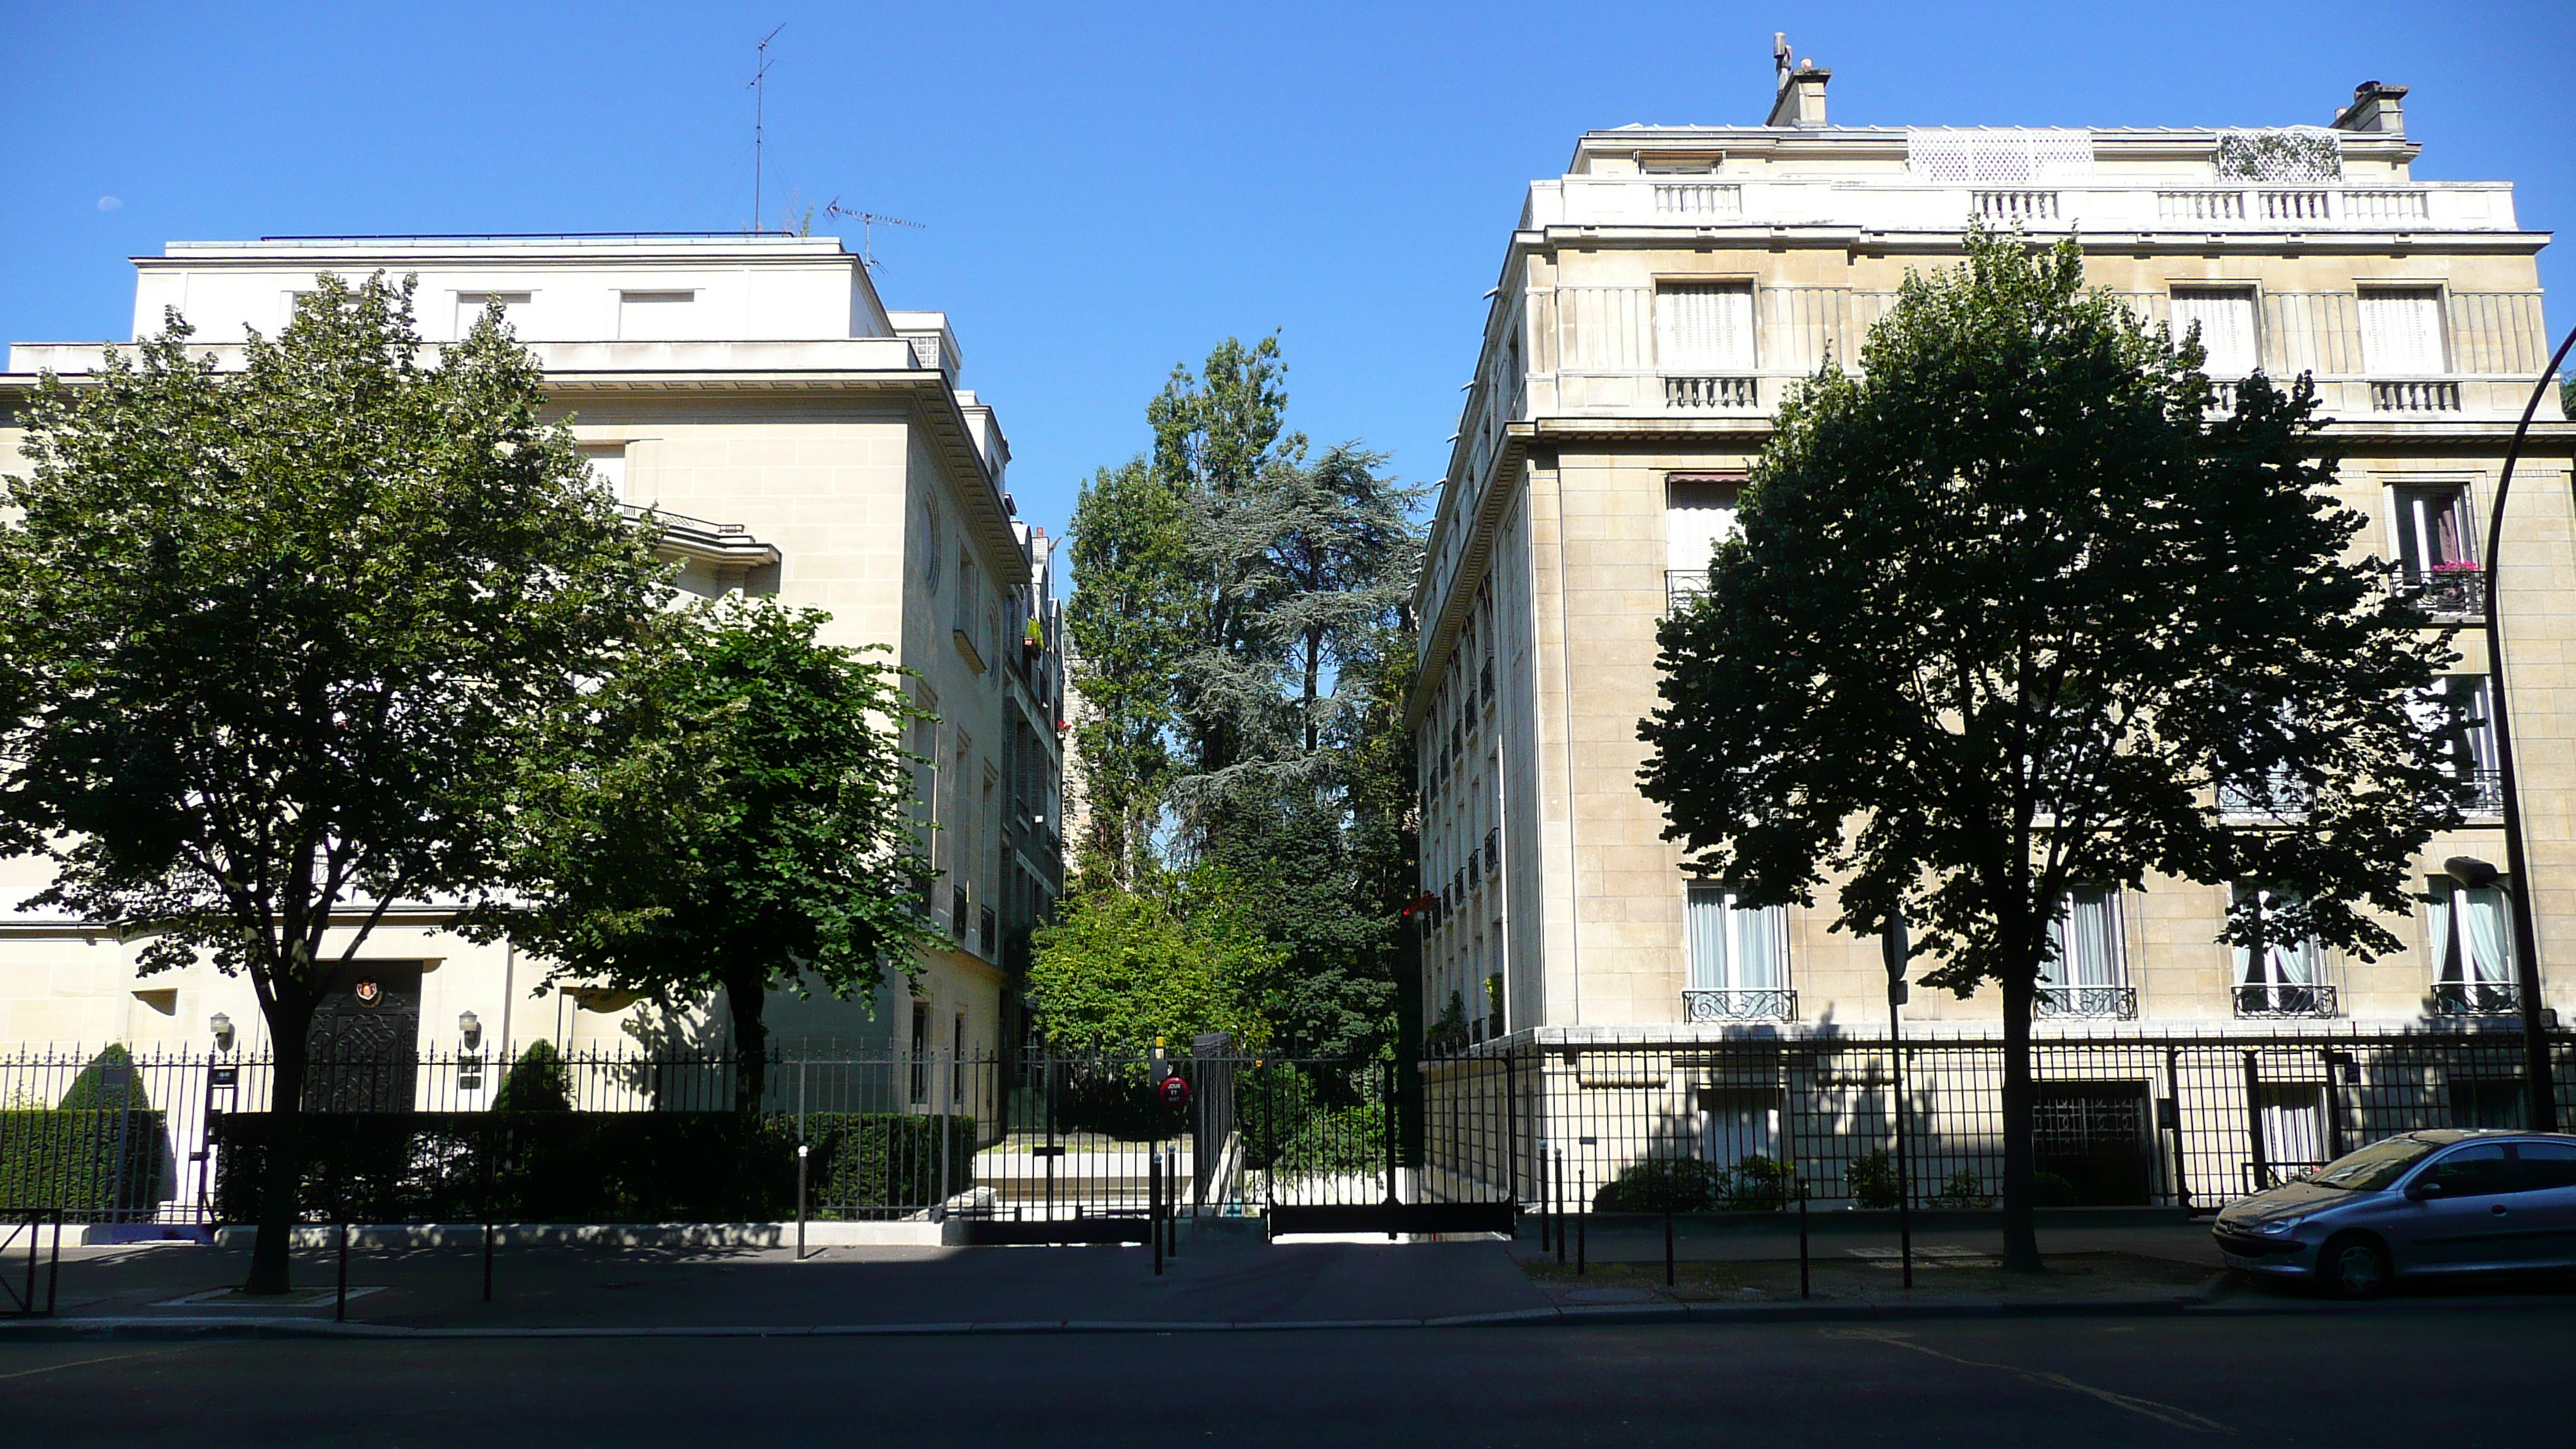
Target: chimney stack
{"type": "Point", "coordinates": [1798, 92]}
{"type": "Point", "coordinates": [2374, 108]}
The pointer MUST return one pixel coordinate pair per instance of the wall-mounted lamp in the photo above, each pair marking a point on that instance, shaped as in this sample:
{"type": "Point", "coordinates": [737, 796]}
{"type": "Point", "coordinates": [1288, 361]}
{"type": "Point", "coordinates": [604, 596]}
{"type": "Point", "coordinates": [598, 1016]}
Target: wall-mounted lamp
{"type": "Point", "coordinates": [222, 1026]}
{"type": "Point", "coordinates": [470, 1026]}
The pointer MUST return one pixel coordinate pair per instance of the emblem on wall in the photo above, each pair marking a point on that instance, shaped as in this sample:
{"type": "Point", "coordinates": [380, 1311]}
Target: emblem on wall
{"type": "Point", "coordinates": [370, 994]}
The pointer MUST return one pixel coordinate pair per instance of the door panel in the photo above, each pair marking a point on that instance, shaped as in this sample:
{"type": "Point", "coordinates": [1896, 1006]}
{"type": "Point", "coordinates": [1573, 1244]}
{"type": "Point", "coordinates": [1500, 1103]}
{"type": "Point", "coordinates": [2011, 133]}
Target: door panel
{"type": "Point", "coordinates": [2471, 1223]}
{"type": "Point", "coordinates": [2547, 1203]}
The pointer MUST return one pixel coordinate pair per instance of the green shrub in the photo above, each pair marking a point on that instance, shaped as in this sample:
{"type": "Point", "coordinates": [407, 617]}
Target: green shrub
{"type": "Point", "coordinates": [1664, 1184]}
{"type": "Point", "coordinates": [1871, 1180]}
{"type": "Point", "coordinates": [537, 1082]}
{"type": "Point", "coordinates": [541, 1165]}
{"type": "Point", "coordinates": [1763, 1184]}
{"type": "Point", "coordinates": [1964, 1190]}
{"type": "Point", "coordinates": [83, 1161]}
{"type": "Point", "coordinates": [92, 1091]}
{"type": "Point", "coordinates": [2047, 1189]}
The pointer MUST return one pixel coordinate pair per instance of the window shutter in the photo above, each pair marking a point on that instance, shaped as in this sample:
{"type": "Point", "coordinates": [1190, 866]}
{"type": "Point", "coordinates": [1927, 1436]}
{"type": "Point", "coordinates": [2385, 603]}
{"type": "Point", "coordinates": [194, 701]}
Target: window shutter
{"type": "Point", "coordinates": [2401, 333]}
{"type": "Point", "coordinates": [1704, 327]}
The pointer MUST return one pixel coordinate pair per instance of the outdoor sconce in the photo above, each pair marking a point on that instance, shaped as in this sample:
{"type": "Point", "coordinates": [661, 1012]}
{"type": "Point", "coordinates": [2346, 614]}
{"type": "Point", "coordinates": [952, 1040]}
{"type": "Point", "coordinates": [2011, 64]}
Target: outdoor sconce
{"type": "Point", "coordinates": [222, 1026]}
{"type": "Point", "coordinates": [470, 1026]}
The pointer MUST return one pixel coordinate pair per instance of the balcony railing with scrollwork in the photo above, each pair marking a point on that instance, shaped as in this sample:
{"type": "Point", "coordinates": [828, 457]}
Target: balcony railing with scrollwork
{"type": "Point", "coordinates": [2116, 1002]}
{"type": "Point", "coordinates": [2284, 999]}
{"type": "Point", "coordinates": [1766, 1003]}
{"type": "Point", "coordinates": [1681, 586]}
{"type": "Point", "coordinates": [2446, 591]}
{"type": "Point", "coordinates": [2476, 998]}
{"type": "Point", "coordinates": [2481, 792]}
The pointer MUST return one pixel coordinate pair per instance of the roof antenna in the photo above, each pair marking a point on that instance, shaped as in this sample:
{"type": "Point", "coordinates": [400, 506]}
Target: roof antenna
{"type": "Point", "coordinates": [868, 222]}
{"type": "Point", "coordinates": [759, 108]}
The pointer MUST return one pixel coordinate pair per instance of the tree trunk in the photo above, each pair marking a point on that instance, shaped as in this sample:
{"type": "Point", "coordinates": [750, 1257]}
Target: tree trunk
{"type": "Point", "coordinates": [745, 995]}
{"type": "Point", "coordinates": [283, 1171]}
{"type": "Point", "coordinates": [2021, 1233]}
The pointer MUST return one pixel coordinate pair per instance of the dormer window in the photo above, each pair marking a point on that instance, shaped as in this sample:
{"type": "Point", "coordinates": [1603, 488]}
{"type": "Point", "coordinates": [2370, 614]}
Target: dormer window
{"type": "Point", "coordinates": [655, 316]}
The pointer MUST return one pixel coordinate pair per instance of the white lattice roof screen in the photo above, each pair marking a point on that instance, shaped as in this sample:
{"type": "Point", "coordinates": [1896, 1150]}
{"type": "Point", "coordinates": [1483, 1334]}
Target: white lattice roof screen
{"type": "Point", "coordinates": [1997, 156]}
{"type": "Point", "coordinates": [2283, 153]}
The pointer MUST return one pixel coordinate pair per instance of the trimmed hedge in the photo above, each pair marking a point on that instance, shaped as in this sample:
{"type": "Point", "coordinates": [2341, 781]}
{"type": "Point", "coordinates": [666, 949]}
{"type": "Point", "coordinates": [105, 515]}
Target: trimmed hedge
{"type": "Point", "coordinates": [594, 1167]}
{"type": "Point", "coordinates": [69, 1159]}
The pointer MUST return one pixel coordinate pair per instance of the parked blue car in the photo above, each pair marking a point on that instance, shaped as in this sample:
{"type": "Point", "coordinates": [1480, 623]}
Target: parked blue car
{"type": "Point", "coordinates": [2421, 1203]}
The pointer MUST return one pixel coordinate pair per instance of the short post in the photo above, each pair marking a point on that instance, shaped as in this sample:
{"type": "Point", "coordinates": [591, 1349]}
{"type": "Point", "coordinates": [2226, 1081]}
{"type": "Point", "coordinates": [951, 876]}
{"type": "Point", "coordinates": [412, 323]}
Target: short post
{"type": "Point", "coordinates": [1805, 1288]}
{"type": "Point", "coordinates": [340, 1304]}
{"type": "Point", "coordinates": [1154, 1209]}
{"type": "Point", "coordinates": [1557, 1189]}
{"type": "Point", "coordinates": [1668, 1235]}
{"type": "Point", "coordinates": [1172, 1199]}
{"type": "Point", "coordinates": [486, 1195]}
{"type": "Point", "coordinates": [802, 1151]}
{"type": "Point", "coordinates": [1582, 1222]}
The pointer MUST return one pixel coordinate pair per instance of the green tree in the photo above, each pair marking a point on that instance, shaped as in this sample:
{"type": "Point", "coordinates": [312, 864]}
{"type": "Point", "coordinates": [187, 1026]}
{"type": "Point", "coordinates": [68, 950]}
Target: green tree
{"type": "Point", "coordinates": [1179, 956]}
{"type": "Point", "coordinates": [1128, 618]}
{"type": "Point", "coordinates": [2009, 614]}
{"type": "Point", "coordinates": [272, 640]}
{"type": "Point", "coordinates": [730, 811]}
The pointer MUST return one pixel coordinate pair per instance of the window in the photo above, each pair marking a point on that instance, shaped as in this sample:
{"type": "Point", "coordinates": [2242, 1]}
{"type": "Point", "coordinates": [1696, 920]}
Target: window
{"type": "Point", "coordinates": [2464, 706]}
{"type": "Point", "coordinates": [1704, 326]}
{"type": "Point", "coordinates": [1739, 955]}
{"type": "Point", "coordinates": [920, 1051]}
{"type": "Point", "coordinates": [655, 316]}
{"type": "Point", "coordinates": [2226, 318]}
{"type": "Point", "coordinates": [2401, 332]}
{"type": "Point", "coordinates": [470, 305]}
{"type": "Point", "coordinates": [2285, 975]}
{"type": "Point", "coordinates": [2433, 528]}
{"type": "Point", "coordinates": [2472, 941]}
{"type": "Point", "coordinates": [608, 470]}
{"type": "Point", "coordinates": [2088, 975]}
{"type": "Point", "coordinates": [2547, 1165]}
{"type": "Point", "coordinates": [1699, 512]}
{"type": "Point", "coordinates": [925, 529]}
{"type": "Point", "coordinates": [2478, 1170]}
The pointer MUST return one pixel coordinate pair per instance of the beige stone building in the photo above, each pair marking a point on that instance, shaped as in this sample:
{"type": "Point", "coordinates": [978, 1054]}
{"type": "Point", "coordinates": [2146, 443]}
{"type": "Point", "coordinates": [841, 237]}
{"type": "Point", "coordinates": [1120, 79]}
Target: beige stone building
{"type": "Point", "coordinates": [794, 438]}
{"type": "Point", "coordinates": [1654, 304]}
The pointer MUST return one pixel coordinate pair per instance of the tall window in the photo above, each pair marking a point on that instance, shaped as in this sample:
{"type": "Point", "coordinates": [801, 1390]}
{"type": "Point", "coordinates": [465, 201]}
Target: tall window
{"type": "Point", "coordinates": [2226, 318]}
{"type": "Point", "coordinates": [2466, 706]}
{"type": "Point", "coordinates": [1739, 956]}
{"type": "Point", "coordinates": [2472, 940]}
{"type": "Point", "coordinates": [1704, 326]}
{"type": "Point", "coordinates": [920, 1083]}
{"type": "Point", "coordinates": [925, 546]}
{"type": "Point", "coordinates": [1699, 510]}
{"type": "Point", "coordinates": [2401, 332]}
{"type": "Point", "coordinates": [2283, 976]}
{"type": "Point", "coordinates": [2089, 975]}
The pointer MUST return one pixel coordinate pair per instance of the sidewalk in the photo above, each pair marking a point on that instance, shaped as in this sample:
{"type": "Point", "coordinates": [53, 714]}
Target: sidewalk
{"type": "Point", "coordinates": [1212, 1285]}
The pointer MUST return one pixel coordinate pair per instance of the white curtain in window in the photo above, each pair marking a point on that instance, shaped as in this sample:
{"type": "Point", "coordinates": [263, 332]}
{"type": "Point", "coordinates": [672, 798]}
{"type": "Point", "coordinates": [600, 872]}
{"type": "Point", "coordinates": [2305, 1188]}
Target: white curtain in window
{"type": "Point", "coordinates": [2401, 333]}
{"type": "Point", "coordinates": [2483, 919]}
{"type": "Point", "coordinates": [2226, 321]}
{"type": "Point", "coordinates": [1704, 326]}
{"type": "Point", "coordinates": [2087, 935]}
{"type": "Point", "coordinates": [1697, 513]}
{"type": "Point", "coordinates": [1734, 947]}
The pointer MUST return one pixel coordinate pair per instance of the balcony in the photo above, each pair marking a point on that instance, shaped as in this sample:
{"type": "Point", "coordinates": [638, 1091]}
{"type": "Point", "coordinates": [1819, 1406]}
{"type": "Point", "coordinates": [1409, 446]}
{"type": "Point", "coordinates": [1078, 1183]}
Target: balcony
{"type": "Point", "coordinates": [1740, 1004]}
{"type": "Point", "coordinates": [1681, 586]}
{"type": "Point", "coordinates": [2283, 1001]}
{"type": "Point", "coordinates": [2114, 1003]}
{"type": "Point", "coordinates": [1494, 851]}
{"type": "Point", "coordinates": [2415, 395]}
{"type": "Point", "coordinates": [2015, 208]}
{"type": "Point", "coordinates": [1700, 394]}
{"type": "Point", "coordinates": [2481, 792]}
{"type": "Point", "coordinates": [2476, 998]}
{"type": "Point", "coordinates": [2453, 591]}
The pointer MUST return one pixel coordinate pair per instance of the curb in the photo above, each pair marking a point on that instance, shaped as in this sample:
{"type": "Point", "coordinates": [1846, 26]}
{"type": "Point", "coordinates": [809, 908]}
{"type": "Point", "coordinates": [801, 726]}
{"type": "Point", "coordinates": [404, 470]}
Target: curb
{"type": "Point", "coordinates": [233, 1326]}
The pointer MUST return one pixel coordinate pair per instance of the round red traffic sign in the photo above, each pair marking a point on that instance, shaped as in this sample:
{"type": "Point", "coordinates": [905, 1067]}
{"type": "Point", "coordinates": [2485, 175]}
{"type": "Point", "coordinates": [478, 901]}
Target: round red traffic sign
{"type": "Point", "coordinates": [1175, 1092]}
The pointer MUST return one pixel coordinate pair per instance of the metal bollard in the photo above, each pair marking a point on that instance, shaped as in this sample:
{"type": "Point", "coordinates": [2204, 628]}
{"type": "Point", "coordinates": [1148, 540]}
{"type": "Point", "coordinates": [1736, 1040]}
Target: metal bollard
{"type": "Point", "coordinates": [340, 1306]}
{"type": "Point", "coordinates": [801, 1151]}
{"type": "Point", "coordinates": [1154, 1210]}
{"type": "Point", "coordinates": [1582, 1224]}
{"type": "Point", "coordinates": [1804, 1289]}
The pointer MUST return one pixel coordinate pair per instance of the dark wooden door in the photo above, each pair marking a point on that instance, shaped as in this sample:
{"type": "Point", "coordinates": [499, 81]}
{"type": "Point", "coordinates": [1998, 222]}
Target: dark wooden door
{"type": "Point", "coordinates": [365, 1041]}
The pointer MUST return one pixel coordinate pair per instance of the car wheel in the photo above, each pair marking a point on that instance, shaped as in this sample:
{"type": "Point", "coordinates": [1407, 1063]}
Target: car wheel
{"type": "Point", "coordinates": [2355, 1266]}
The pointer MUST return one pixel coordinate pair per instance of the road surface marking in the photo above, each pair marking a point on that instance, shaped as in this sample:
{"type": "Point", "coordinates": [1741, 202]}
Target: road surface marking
{"type": "Point", "coordinates": [86, 1362]}
{"type": "Point", "coordinates": [2161, 1413]}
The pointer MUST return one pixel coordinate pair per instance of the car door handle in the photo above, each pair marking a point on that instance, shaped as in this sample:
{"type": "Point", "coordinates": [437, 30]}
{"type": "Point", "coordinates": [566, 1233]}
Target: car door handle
{"type": "Point", "coordinates": [2498, 1210]}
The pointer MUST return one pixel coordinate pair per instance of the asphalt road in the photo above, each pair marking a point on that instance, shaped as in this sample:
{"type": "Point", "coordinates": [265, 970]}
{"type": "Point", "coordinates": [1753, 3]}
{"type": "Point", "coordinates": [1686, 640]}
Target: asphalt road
{"type": "Point", "coordinates": [2474, 1374]}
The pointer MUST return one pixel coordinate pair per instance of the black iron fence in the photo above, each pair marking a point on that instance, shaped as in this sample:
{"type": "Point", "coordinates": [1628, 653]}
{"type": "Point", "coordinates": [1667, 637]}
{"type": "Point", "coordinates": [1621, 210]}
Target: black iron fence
{"type": "Point", "coordinates": [1047, 1147]}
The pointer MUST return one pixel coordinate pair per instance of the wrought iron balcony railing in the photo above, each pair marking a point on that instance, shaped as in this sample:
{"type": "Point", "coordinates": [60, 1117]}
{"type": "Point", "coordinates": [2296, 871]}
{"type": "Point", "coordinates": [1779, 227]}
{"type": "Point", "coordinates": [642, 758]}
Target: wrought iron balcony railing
{"type": "Point", "coordinates": [2476, 998]}
{"type": "Point", "coordinates": [2277, 799]}
{"type": "Point", "coordinates": [1494, 851]}
{"type": "Point", "coordinates": [2282, 999]}
{"type": "Point", "coordinates": [2446, 591]}
{"type": "Point", "coordinates": [1681, 586]}
{"type": "Point", "coordinates": [2116, 1002]}
{"type": "Point", "coordinates": [2482, 792]}
{"type": "Point", "coordinates": [1767, 1003]}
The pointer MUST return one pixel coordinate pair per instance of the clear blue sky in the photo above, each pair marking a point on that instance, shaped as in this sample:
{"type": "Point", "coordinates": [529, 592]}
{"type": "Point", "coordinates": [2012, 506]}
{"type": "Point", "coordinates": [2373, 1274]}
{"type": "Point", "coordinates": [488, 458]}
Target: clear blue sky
{"type": "Point", "coordinates": [1109, 190]}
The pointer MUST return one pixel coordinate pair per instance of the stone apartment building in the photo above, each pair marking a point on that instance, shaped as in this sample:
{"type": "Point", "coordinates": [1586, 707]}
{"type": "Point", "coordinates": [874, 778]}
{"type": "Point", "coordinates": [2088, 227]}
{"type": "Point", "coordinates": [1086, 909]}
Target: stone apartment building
{"type": "Point", "coordinates": [794, 438]}
{"type": "Point", "coordinates": [1655, 303]}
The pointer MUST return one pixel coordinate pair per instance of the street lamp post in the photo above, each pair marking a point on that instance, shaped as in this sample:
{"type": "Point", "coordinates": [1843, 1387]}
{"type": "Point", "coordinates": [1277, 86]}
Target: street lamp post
{"type": "Point", "coordinates": [1894, 948]}
{"type": "Point", "coordinates": [2526, 939]}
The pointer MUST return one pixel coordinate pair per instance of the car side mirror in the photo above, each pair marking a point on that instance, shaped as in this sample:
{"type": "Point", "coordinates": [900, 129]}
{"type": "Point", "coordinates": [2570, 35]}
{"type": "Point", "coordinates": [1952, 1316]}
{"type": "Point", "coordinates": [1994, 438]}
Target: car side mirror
{"type": "Point", "coordinates": [2422, 1188]}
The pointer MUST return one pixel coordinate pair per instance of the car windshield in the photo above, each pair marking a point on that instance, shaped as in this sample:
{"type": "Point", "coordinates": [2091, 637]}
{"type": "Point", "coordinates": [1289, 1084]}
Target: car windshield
{"type": "Point", "coordinates": [2375, 1166]}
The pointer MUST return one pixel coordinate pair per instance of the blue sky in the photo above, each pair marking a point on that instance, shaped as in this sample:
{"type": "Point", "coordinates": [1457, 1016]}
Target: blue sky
{"type": "Point", "coordinates": [1110, 190]}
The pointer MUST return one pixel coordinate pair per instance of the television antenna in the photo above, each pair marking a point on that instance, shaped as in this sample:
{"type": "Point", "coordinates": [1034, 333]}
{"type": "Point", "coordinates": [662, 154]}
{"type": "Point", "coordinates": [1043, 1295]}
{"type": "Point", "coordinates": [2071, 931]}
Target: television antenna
{"type": "Point", "coordinates": [759, 116]}
{"type": "Point", "coordinates": [868, 222]}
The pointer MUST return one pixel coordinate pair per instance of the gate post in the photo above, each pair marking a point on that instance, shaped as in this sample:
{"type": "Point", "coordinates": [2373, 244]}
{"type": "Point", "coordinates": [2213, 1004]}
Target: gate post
{"type": "Point", "coordinates": [2254, 1120]}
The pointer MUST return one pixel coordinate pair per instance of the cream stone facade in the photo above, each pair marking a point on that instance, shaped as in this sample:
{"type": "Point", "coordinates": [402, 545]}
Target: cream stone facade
{"type": "Point", "coordinates": [794, 438]}
{"type": "Point", "coordinates": [1655, 303]}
